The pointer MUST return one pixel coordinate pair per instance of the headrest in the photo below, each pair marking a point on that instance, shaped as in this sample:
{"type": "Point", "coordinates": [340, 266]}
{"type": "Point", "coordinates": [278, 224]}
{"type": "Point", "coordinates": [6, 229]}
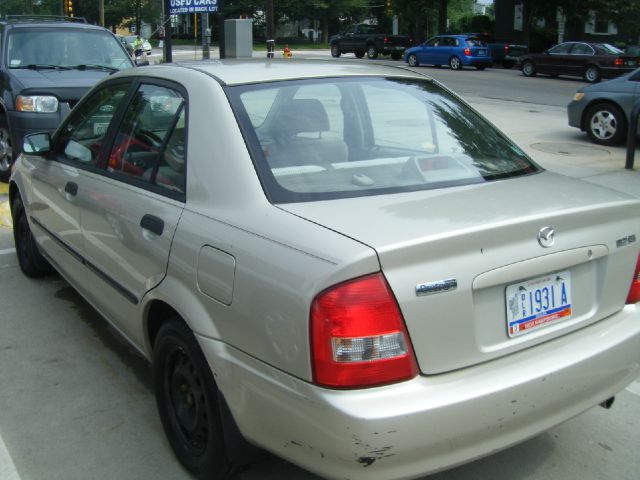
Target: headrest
{"type": "Point", "coordinates": [301, 115]}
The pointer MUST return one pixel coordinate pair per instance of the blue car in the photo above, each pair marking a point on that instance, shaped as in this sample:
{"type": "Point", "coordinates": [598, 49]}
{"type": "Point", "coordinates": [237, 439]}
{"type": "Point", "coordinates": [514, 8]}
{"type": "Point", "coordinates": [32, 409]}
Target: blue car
{"type": "Point", "coordinates": [453, 50]}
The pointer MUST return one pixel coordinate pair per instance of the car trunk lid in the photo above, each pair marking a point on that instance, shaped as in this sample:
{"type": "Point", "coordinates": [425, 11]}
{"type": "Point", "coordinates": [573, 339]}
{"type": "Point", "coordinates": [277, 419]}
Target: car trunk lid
{"type": "Point", "coordinates": [470, 246]}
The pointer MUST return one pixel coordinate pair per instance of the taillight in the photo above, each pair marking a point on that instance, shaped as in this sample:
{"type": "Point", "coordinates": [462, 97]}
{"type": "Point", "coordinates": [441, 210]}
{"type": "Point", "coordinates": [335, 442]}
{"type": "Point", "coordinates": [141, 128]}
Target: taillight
{"type": "Point", "coordinates": [467, 52]}
{"type": "Point", "coordinates": [634, 291]}
{"type": "Point", "coordinates": [618, 62]}
{"type": "Point", "coordinates": [358, 336]}
{"type": "Point", "coordinates": [386, 40]}
{"type": "Point", "coordinates": [506, 48]}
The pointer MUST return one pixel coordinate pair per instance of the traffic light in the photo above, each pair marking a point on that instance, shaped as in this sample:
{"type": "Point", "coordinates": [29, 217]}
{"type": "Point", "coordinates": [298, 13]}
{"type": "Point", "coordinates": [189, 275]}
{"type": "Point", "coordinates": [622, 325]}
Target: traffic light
{"type": "Point", "coordinates": [68, 8]}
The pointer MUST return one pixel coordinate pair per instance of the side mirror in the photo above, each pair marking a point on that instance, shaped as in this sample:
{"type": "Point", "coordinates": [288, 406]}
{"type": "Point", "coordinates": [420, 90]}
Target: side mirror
{"type": "Point", "coordinates": [36, 143]}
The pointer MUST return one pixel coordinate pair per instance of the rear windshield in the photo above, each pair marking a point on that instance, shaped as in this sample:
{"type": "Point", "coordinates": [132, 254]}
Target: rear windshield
{"type": "Point", "coordinates": [607, 49]}
{"type": "Point", "coordinates": [64, 47]}
{"type": "Point", "coordinates": [334, 138]}
{"type": "Point", "coordinates": [475, 42]}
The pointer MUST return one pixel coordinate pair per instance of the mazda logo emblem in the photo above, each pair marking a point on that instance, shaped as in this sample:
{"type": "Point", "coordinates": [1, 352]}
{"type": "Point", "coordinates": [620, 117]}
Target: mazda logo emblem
{"type": "Point", "coordinates": [546, 237]}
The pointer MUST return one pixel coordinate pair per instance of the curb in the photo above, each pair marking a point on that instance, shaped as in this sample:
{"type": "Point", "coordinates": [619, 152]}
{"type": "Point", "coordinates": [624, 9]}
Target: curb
{"type": "Point", "coordinates": [5, 214]}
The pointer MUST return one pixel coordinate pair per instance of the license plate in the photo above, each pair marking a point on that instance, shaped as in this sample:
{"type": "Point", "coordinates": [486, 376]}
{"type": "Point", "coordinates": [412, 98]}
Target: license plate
{"type": "Point", "coordinates": [538, 302]}
{"type": "Point", "coordinates": [100, 128]}
{"type": "Point", "coordinates": [482, 52]}
{"type": "Point", "coordinates": [631, 63]}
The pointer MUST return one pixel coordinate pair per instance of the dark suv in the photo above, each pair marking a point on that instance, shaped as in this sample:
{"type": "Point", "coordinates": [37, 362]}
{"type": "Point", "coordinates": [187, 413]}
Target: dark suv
{"type": "Point", "coordinates": [46, 65]}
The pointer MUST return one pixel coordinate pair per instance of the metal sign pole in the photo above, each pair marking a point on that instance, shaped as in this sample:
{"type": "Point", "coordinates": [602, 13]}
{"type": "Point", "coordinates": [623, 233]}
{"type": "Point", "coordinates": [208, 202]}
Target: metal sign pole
{"type": "Point", "coordinates": [221, 45]}
{"type": "Point", "coordinates": [167, 34]}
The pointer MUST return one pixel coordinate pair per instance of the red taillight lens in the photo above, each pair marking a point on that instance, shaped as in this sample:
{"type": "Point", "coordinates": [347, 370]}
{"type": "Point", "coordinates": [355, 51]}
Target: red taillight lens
{"type": "Point", "coordinates": [386, 40]}
{"type": "Point", "coordinates": [467, 52]}
{"type": "Point", "coordinates": [634, 291]}
{"type": "Point", "coordinates": [506, 48]}
{"type": "Point", "coordinates": [358, 336]}
{"type": "Point", "coordinates": [618, 62]}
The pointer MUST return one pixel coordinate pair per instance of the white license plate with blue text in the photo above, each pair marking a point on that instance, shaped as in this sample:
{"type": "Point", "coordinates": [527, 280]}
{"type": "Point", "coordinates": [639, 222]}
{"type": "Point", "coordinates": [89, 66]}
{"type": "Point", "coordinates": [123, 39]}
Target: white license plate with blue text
{"type": "Point", "coordinates": [538, 302]}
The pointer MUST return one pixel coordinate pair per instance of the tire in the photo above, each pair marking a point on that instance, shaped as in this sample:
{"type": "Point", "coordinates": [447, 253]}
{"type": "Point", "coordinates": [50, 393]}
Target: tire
{"type": "Point", "coordinates": [606, 124]}
{"type": "Point", "coordinates": [528, 69]}
{"type": "Point", "coordinates": [592, 74]}
{"type": "Point", "coordinates": [396, 56]}
{"type": "Point", "coordinates": [359, 54]}
{"type": "Point", "coordinates": [335, 50]}
{"type": "Point", "coordinates": [372, 52]}
{"type": "Point", "coordinates": [31, 261]}
{"type": "Point", "coordinates": [7, 153]}
{"type": "Point", "coordinates": [508, 64]}
{"type": "Point", "coordinates": [455, 63]}
{"type": "Point", "coordinates": [412, 60]}
{"type": "Point", "coordinates": [186, 395]}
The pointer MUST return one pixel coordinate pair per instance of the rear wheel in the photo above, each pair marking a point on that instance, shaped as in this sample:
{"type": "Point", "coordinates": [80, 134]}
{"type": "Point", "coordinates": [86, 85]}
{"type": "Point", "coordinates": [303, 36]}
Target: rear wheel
{"type": "Point", "coordinates": [606, 124]}
{"type": "Point", "coordinates": [396, 56]}
{"type": "Point", "coordinates": [335, 50]}
{"type": "Point", "coordinates": [455, 63]}
{"type": "Point", "coordinates": [187, 400]}
{"type": "Point", "coordinates": [412, 60]}
{"type": "Point", "coordinates": [528, 69]}
{"type": "Point", "coordinates": [592, 74]}
{"type": "Point", "coordinates": [31, 261]}
{"type": "Point", "coordinates": [372, 52]}
{"type": "Point", "coordinates": [6, 150]}
{"type": "Point", "coordinates": [359, 54]}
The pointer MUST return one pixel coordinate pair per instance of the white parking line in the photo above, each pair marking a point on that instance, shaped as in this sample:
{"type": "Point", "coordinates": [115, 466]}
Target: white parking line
{"type": "Point", "coordinates": [634, 388]}
{"type": "Point", "coordinates": [7, 251]}
{"type": "Point", "coordinates": [7, 468]}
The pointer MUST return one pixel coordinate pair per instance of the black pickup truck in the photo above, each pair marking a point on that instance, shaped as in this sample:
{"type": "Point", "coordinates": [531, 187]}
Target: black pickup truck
{"type": "Point", "coordinates": [362, 38]}
{"type": "Point", "coordinates": [505, 54]}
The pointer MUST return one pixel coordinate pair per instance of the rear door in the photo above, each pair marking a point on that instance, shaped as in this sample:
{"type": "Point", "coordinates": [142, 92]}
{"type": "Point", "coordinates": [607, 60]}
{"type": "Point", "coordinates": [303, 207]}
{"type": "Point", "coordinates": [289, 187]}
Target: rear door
{"type": "Point", "coordinates": [133, 208]}
{"type": "Point", "coordinates": [581, 55]}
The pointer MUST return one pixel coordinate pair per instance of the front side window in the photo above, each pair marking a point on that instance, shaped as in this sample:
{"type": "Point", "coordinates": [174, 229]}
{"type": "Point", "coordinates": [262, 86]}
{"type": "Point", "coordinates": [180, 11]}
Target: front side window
{"type": "Point", "coordinates": [561, 49]}
{"type": "Point", "coordinates": [64, 48]}
{"type": "Point", "coordinates": [335, 138]}
{"type": "Point", "coordinates": [149, 144]}
{"type": "Point", "coordinates": [81, 138]}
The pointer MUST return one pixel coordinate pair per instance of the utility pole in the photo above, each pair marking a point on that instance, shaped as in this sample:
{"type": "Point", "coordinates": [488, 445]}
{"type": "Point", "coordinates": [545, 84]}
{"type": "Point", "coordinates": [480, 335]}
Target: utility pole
{"type": "Point", "coordinates": [271, 31]}
{"type": "Point", "coordinates": [102, 13]}
{"type": "Point", "coordinates": [221, 45]}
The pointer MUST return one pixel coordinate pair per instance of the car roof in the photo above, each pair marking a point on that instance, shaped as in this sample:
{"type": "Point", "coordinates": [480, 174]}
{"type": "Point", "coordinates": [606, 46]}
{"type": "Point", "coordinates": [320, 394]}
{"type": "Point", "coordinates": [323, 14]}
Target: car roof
{"type": "Point", "coordinates": [238, 72]}
{"type": "Point", "coordinates": [52, 24]}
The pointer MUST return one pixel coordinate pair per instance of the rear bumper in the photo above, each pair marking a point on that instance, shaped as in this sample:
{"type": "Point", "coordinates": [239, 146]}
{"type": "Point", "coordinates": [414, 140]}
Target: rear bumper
{"type": "Point", "coordinates": [429, 423]}
{"type": "Point", "coordinates": [477, 61]}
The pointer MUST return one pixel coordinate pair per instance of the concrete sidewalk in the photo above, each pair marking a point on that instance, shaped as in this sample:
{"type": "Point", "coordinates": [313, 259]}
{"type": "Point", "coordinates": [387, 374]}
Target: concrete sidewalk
{"type": "Point", "coordinates": [544, 134]}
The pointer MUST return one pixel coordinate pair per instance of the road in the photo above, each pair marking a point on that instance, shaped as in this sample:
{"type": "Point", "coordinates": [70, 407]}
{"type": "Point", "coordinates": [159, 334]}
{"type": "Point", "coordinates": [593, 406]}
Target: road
{"type": "Point", "coordinates": [76, 400]}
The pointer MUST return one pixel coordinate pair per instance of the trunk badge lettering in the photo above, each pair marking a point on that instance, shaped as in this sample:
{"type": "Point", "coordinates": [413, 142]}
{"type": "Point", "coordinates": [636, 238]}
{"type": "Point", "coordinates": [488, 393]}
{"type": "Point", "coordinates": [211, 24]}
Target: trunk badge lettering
{"type": "Point", "coordinates": [546, 237]}
{"type": "Point", "coordinates": [436, 287]}
{"type": "Point", "coordinates": [623, 242]}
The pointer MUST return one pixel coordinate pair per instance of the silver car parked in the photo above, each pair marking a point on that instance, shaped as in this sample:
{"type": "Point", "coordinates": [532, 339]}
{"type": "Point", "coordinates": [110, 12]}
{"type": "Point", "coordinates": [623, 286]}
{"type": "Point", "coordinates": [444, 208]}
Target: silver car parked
{"type": "Point", "coordinates": [345, 264]}
{"type": "Point", "coordinates": [603, 110]}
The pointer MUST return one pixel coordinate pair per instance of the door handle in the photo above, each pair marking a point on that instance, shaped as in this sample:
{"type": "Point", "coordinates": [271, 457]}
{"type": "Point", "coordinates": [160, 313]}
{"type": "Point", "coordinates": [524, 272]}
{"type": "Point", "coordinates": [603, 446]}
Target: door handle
{"type": "Point", "coordinates": [153, 224]}
{"type": "Point", "coordinates": [71, 188]}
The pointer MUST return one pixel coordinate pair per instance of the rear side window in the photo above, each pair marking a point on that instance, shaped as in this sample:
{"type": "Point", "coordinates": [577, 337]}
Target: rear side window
{"type": "Point", "coordinates": [475, 42]}
{"type": "Point", "coordinates": [336, 138]}
{"type": "Point", "coordinates": [149, 145]}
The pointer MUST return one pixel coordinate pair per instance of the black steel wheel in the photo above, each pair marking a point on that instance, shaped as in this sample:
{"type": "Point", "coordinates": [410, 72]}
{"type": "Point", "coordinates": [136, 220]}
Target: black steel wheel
{"type": "Point", "coordinates": [31, 261]}
{"type": "Point", "coordinates": [335, 50]}
{"type": "Point", "coordinates": [606, 124]}
{"type": "Point", "coordinates": [186, 395]}
{"type": "Point", "coordinates": [372, 52]}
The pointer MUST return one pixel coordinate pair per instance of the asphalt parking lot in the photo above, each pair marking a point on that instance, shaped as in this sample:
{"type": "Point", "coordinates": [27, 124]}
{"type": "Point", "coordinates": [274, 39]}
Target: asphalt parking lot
{"type": "Point", "coordinates": [76, 400]}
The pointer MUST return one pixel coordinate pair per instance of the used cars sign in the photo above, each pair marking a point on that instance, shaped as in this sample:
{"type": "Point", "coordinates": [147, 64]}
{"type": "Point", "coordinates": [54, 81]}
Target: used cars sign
{"type": "Point", "coordinates": [192, 6]}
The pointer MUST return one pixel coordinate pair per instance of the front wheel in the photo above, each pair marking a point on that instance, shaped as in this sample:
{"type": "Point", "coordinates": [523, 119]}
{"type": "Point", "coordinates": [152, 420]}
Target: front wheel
{"type": "Point", "coordinates": [6, 150]}
{"type": "Point", "coordinates": [528, 69]}
{"type": "Point", "coordinates": [412, 60]}
{"type": "Point", "coordinates": [372, 52]}
{"type": "Point", "coordinates": [335, 50]}
{"type": "Point", "coordinates": [592, 74]}
{"type": "Point", "coordinates": [31, 261]}
{"type": "Point", "coordinates": [606, 124]}
{"type": "Point", "coordinates": [187, 400]}
{"type": "Point", "coordinates": [455, 63]}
